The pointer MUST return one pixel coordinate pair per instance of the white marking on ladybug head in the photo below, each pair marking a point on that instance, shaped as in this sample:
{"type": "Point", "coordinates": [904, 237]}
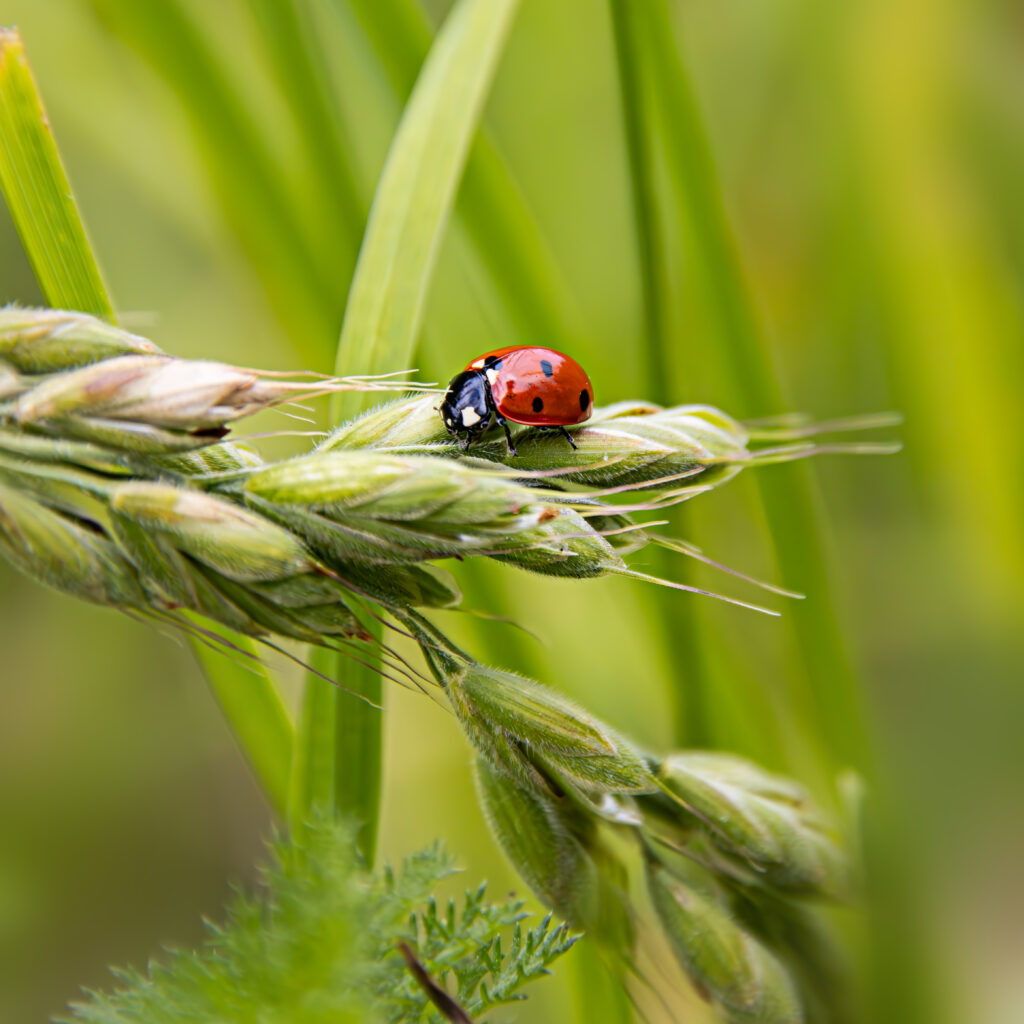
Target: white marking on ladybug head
{"type": "Point", "coordinates": [470, 417]}
{"type": "Point", "coordinates": [476, 364]}
{"type": "Point", "coordinates": [492, 377]}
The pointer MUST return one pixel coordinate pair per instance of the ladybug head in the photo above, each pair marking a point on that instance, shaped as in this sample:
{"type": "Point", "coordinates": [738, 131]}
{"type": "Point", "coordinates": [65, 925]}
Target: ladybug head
{"type": "Point", "coordinates": [466, 406]}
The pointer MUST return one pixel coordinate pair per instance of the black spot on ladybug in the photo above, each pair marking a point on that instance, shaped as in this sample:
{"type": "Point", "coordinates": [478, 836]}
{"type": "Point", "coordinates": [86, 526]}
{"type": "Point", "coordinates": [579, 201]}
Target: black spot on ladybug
{"type": "Point", "coordinates": [538, 404]}
{"type": "Point", "coordinates": [584, 399]}
{"type": "Point", "coordinates": [547, 368]}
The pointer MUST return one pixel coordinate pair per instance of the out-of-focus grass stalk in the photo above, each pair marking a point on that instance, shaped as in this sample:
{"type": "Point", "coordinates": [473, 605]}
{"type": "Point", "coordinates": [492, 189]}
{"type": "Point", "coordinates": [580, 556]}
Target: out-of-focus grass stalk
{"type": "Point", "coordinates": [44, 211]}
{"type": "Point", "coordinates": [312, 779]}
{"type": "Point", "coordinates": [647, 222]}
{"type": "Point", "coordinates": [950, 320]}
{"type": "Point", "coordinates": [257, 200]}
{"type": "Point", "coordinates": [384, 314]}
{"type": "Point", "coordinates": [504, 231]}
{"type": "Point", "coordinates": [299, 65]}
{"type": "Point", "coordinates": [415, 194]}
{"type": "Point", "coordinates": [689, 712]}
{"type": "Point", "coordinates": [251, 703]}
{"type": "Point", "coordinates": [822, 684]}
{"type": "Point", "coordinates": [599, 995]}
{"type": "Point", "coordinates": [38, 193]}
{"type": "Point", "coordinates": [689, 700]}
{"type": "Point", "coordinates": [953, 326]}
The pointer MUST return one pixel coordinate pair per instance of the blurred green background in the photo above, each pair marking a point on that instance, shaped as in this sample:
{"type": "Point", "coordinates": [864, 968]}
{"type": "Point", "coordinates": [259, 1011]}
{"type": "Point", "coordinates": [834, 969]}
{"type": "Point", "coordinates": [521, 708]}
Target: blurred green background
{"type": "Point", "coordinates": [870, 156]}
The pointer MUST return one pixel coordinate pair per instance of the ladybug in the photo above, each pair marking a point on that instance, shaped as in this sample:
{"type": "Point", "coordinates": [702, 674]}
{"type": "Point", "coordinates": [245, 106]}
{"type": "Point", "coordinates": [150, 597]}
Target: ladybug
{"type": "Point", "coordinates": [523, 383]}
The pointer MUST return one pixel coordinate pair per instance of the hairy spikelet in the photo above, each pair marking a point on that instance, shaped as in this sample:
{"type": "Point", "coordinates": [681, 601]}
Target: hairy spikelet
{"type": "Point", "coordinates": [684, 448]}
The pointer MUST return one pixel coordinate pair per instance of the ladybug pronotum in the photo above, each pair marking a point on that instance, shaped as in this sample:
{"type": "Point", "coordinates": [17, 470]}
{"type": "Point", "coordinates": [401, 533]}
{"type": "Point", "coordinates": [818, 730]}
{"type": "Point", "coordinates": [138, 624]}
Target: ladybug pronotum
{"type": "Point", "coordinates": [525, 384]}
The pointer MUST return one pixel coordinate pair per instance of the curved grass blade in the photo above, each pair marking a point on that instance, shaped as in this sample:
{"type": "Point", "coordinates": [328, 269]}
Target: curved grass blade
{"type": "Point", "coordinates": [416, 190]}
{"type": "Point", "coordinates": [39, 197]}
{"type": "Point", "coordinates": [298, 63]}
{"type": "Point", "coordinates": [252, 705]}
{"type": "Point", "coordinates": [38, 193]}
{"type": "Point", "coordinates": [410, 211]}
{"type": "Point", "coordinates": [490, 204]}
{"type": "Point", "coordinates": [691, 711]}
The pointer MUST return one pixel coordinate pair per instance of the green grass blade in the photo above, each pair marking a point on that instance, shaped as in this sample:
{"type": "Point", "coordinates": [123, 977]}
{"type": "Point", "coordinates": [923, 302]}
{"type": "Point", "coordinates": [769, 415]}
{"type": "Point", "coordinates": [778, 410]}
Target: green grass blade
{"type": "Point", "coordinates": [312, 777]}
{"type": "Point", "coordinates": [823, 685]}
{"type": "Point", "coordinates": [416, 191]}
{"type": "Point", "coordinates": [303, 79]}
{"type": "Point", "coordinates": [358, 738]}
{"type": "Point", "coordinates": [252, 705]}
{"type": "Point", "coordinates": [688, 701]}
{"type": "Point", "coordinates": [37, 192]}
{"type": "Point", "coordinates": [385, 309]}
{"type": "Point", "coordinates": [650, 243]}
{"type": "Point", "coordinates": [505, 233]}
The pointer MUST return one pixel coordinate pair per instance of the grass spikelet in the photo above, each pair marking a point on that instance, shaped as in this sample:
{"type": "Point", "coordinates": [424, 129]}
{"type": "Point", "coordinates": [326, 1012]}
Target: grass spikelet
{"type": "Point", "coordinates": [728, 965]}
{"type": "Point", "coordinates": [764, 821]}
{"type": "Point", "coordinates": [52, 340]}
{"type": "Point", "coordinates": [547, 839]}
{"type": "Point", "coordinates": [115, 486]}
{"type": "Point", "coordinates": [64, 554]}
{"type": "Point", "coordinates": [355, 505]}
{"type": "Point", "coordinates": [552, 737]}
{"type": "Point", "coordinates": [627, 444]}
{"type": "Point", "coordinates": [233, 541]}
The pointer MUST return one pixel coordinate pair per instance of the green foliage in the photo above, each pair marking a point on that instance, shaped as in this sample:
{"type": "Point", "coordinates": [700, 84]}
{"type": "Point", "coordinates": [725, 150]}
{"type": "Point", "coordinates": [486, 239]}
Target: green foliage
{"type": "Point", "coordinates": [319, 944]}
{"type": "Point", "coordinates": [37, 190]}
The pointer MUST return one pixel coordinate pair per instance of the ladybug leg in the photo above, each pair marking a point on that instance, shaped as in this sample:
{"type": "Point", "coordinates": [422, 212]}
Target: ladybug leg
{"type": "Point", "coordinates": [568, 437]}
{"type": "Point", "coordinates": [508, 435]}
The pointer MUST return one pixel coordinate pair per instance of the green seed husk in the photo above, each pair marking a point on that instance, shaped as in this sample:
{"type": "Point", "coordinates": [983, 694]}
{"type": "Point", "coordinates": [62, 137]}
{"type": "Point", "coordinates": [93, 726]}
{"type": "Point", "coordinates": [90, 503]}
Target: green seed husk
{"type": "Point", "coordinates": [231, 540]}
{"type": "Point", "coordinates": [405, 423]}
{"type": "Point", "coordinates": [761, 819]}
{"type": "Point", "coordinates": [726, 963]}
{"type": "Point", "coordinates": [53, 340]}
{"type": "Point", "coordinates": [11, 382]}
{"type": "Point", "coordinates": [63, 553]}
{"type": "Point", "coordinates": [533, 734]}
{"type": "Point", "coordinates": [541, 836]}
{"type": "Point", "coordinates": [360, 505]}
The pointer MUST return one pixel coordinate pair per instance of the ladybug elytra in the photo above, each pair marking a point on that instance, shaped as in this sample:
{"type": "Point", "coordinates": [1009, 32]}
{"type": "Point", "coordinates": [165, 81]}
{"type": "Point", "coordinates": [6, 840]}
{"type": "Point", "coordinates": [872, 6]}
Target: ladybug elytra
{"type": "Point", "coordinates": [526, 384]}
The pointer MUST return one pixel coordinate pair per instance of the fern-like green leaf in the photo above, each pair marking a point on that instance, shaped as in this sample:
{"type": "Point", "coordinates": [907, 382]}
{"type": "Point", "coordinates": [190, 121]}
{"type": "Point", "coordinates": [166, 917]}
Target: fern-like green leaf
{"type": "Point", "coordinates": [321, 944]}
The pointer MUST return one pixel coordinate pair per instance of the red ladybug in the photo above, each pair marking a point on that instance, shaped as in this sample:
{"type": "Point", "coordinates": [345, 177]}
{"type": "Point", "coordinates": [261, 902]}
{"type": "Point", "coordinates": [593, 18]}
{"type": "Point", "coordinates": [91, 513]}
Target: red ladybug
{"type": "Point", "coordinates": [523, 383]}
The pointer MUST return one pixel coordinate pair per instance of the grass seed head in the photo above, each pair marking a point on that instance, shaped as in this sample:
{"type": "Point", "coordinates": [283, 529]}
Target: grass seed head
{"type": "Point", "coordinates": [63, 553]}
{"type": "Point", "coordinates": [232, 540]}
{"type": "Point", "coordinates": [726, 963]}
{"type": "Point", "coordinates": [545, 839]}
{"type": "Point", "coordinates": [533, 733]}
{"type": "Point", "coordinates": [761, 819]}
{"type": "Point", "coordinates": [385, 507]}
{"type": "Point", "coordinates": [405, 423]}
